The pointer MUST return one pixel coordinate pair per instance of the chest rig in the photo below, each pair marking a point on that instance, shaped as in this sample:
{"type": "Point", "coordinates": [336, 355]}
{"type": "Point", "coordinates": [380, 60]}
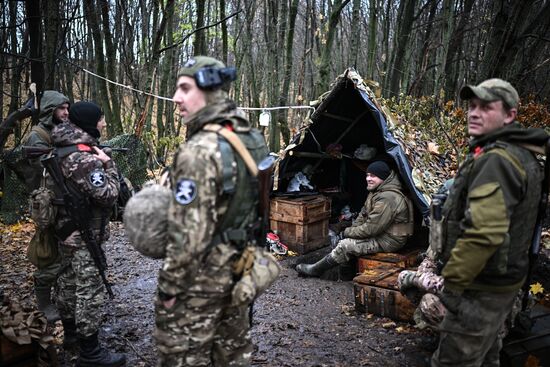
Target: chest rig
{"type": "Point", "coordinates": [509, 263]}
{"type": "Point", "coordinates": [238, 183]}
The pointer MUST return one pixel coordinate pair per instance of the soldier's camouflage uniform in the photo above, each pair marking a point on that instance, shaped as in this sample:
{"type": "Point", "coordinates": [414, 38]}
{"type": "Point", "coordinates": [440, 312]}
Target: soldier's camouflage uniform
{"type": "Point", "coordinates": [45, 276]}
{"type": "Point", "coordinates": [80, 292]}
{"type": "Point", "coordinates": [379, 226]}
{"type": "Point", "coordinates": [201, 329]}
{"type": "Point", "coordinates": [490, 215]}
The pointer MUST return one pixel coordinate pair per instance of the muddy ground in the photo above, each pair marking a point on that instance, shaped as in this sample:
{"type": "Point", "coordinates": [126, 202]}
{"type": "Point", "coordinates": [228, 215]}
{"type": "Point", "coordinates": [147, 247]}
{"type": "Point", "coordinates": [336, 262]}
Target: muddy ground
{"type": "Point", "coordinates": [298, 322]}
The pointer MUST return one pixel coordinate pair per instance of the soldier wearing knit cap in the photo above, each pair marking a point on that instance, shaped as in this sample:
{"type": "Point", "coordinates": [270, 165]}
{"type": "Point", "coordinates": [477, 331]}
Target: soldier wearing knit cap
{"type": "Point", "coordinates": [383, 225]}
{"type": "Point", "coordinates": [80, 292]}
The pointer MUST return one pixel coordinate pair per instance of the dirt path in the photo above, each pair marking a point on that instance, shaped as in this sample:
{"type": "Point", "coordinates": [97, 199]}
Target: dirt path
{"type": "Point", "coordinates": [298, 322]}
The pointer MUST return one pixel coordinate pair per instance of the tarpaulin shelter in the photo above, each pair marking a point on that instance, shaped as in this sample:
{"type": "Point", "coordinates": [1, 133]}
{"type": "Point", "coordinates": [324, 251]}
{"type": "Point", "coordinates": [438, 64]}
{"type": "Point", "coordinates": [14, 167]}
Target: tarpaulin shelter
{"type": "Point", "coordinates": [346, 118]}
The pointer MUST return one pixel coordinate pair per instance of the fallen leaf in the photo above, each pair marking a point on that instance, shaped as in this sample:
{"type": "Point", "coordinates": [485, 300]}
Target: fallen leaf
{"type": "Point", "coordinates": [536, 288]}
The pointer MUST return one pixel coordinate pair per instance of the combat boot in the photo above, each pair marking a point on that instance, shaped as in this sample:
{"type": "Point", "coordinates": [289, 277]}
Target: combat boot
{"type": "Point", "coordinates": [44, 303]}
{"type": "Point", "coordinates": [317, 269]}
{"type": "Point", "coordinates": [70, 340]}
{"type": "Point", "coordinates": [93, 355]}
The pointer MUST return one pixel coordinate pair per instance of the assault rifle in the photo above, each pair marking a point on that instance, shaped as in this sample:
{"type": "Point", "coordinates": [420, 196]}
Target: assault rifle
{"type": "Point", "coordinates": [77, 206]}
{"type": "Point", "coordinates": [541, 214]}
{"type": "Point", "coordinates": [35, 152]}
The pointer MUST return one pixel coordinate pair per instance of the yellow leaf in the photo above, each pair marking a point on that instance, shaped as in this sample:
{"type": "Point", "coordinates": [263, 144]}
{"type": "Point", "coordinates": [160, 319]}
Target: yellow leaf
{"type": "Point", "coordinates": [536, 288]}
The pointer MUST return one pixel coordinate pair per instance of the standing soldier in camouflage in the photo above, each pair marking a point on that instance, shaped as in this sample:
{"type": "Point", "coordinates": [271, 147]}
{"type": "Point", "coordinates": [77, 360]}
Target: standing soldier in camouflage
{"type": "Point", "coordinates": [54, 109]}
{"type": "Point", "coordinates": [489, 221]}
{"type": "Point", "coordinates": [91, 173]}
{"type": "Point", "coordinates": [214, 203]}
{"type": "Point", "coordinates": [384, 224]}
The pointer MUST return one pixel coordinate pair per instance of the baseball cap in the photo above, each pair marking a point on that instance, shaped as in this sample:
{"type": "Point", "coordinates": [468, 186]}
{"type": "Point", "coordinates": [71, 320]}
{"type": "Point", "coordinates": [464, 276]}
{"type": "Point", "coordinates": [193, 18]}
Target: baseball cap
{"type": "Point", "coordinates": [492, 90]}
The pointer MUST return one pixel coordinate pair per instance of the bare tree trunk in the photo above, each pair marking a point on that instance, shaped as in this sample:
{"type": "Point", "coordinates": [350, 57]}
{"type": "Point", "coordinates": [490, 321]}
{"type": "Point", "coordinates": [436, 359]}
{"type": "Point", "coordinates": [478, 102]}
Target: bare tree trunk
{"type": "Point", "coordinates": [324, 68]}
{"type": "Point", "coordinates": [225, 47]}
{"type": "Point", "coordinates": [424, 55]}
{"type": "Point", "coordinates": [111, 66]}
{"type": "Point", "coordinates": [371, 48]}
{"type": "Point", "coordinates": [283, 100]}
{"type": "Point", "coordinates": [354, 42]}
{"type": "Point", "coordinates": [405, 18]}
{"type": "Point", "coordinates": [51, 32]}
{"type": "Point", "coordinates": [35, 44]}
{"type": "Point", "coordinates": [99, 56]}
{"type": "Point", "coordinates": [199, 46]}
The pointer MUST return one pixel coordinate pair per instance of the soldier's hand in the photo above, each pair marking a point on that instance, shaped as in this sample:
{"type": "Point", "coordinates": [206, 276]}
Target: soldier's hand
{"type": "Point", "coordinates": [101, 155]}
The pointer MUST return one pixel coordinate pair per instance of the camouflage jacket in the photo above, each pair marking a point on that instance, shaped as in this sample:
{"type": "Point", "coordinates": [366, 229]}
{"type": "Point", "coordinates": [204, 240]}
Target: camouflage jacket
{"type": "Point", "coordinates": [194, 264]}
{"type": "Point", "coordinates": [383, 208]}
{"type": "Point", "coordinates": [90, 176]}
{"type": "Point", "coordinates": [490, 212]}
{"type": "Point", "coordinates": [48, 103]}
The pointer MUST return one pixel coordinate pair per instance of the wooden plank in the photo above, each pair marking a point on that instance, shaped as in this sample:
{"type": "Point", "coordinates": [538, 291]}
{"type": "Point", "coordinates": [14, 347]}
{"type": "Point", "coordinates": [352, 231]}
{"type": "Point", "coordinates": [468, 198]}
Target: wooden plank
{"type": "Point", "coordinates": [398, 260]}
{"type": "Point", "coordinates": [382, 302]}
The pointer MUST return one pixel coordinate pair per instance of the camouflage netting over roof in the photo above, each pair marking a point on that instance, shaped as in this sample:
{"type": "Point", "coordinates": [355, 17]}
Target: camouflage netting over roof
{"type": "Point", "coordinates": [133, 165]}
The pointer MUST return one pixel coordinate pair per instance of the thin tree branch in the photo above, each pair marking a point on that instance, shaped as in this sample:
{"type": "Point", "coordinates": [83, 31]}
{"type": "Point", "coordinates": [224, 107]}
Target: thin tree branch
{"type": "Point", "coordinates": [198, 29]}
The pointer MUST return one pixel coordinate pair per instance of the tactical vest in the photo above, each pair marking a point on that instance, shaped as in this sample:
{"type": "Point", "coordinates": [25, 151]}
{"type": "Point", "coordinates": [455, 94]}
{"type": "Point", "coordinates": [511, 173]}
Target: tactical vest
{"type": "Point", "coordinates": [242, 212]}
{"type": "Point", "coordinates": [509, 263]}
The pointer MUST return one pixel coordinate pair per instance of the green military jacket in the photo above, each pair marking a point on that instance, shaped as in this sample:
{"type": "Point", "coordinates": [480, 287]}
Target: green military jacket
{"type": "Point", "coordinates": [385, 209]}
{"type": "Point", "coordinates": [491, 211]}
{"type": "Point", "coordinates": [40, 136]}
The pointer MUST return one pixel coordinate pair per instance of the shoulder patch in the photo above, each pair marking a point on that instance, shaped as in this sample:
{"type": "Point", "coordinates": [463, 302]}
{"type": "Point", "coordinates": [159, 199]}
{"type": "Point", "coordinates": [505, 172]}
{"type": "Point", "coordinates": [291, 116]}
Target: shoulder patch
{"type": "Point", "coordinates": [97, 178]}
{"type": "Point", "coordinates": [185, 191]}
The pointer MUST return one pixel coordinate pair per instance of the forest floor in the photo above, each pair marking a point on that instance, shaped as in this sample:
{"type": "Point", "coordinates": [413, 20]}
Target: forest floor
{"type": "Point", "coordinates": [297, 322]}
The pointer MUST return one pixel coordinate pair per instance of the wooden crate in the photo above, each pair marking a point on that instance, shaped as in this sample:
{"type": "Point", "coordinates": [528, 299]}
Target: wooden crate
{"type": "Point", "coordinates": [301, 223]}
{"type": "Point", "coordinates": [405, 259]}
{"type": "Point", "coordinates": [302, 210]}
{"type": "Point", "coordinates": [376, 292]}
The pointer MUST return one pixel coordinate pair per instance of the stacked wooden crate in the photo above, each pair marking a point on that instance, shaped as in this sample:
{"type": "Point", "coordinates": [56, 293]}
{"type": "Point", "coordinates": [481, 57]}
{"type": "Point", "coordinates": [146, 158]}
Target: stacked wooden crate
{"type": "Point", "coordinates": [375, 288]}
{"type": "Point", "coordinates": [301, 223]}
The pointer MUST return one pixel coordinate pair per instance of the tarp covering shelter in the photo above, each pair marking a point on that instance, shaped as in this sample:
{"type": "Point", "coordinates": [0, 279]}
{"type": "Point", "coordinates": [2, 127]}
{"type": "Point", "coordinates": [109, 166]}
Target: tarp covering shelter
{"type": "Point", "coordinates": [325, 148]}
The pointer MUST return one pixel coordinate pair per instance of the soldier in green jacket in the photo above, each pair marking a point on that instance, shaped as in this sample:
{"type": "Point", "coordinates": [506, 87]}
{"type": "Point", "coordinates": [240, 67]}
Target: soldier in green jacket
{"type": "Point", "coordinates": [383, 225]}
{"type": "Point", "coordinates": [54, 109]}
{"type": "Point", "coordinates": [489, 219]}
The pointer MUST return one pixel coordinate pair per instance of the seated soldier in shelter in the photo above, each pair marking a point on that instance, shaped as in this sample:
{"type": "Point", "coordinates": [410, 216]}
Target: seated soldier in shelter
{"type": "Point", "coordinates": [383, 225]}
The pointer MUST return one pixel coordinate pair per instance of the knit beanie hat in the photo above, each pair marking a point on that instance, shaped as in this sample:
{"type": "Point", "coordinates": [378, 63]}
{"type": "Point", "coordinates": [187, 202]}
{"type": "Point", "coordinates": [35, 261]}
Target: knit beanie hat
{"type": "Point", "coordinates": [380, 169]}
{"type": "Point", "coordinates": [86, 115]}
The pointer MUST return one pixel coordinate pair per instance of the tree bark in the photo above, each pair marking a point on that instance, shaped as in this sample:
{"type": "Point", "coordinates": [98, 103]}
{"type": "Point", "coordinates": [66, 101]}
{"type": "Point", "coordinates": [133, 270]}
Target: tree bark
{"type": "Point", "coordinates": [199, 46]}
{"type": "Point", "coordinates": [324, 68]}
{"type": "Point", "coordinates": [406, 18]}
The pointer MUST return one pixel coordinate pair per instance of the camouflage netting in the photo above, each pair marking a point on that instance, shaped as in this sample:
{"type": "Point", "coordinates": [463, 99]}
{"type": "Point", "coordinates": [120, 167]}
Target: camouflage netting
{"type": "Point", "coordinates": [133, 163]}
{"type": "Point", "coordinates": [14, 200]}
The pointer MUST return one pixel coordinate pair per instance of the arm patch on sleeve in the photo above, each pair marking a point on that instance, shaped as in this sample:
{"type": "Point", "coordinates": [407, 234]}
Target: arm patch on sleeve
{"type": "Point", "coordinates": [185, 191]}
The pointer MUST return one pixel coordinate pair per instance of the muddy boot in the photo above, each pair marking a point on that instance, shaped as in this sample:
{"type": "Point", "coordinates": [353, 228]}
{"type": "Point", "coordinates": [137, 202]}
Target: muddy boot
{"type": "Point", "coordinates": [93, 355]}
{"type": "Point", "coordinates": [44, 303]}
{"type": "Point", "coordinates": [317, 269]}
{"type": "Point", "coordinates": [70, 341]}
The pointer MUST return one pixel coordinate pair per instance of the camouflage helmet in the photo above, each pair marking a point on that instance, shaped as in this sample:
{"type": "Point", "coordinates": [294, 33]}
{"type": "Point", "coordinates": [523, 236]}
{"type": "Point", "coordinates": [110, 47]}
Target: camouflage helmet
{"type": "Point", "coordinates": [146, 220]}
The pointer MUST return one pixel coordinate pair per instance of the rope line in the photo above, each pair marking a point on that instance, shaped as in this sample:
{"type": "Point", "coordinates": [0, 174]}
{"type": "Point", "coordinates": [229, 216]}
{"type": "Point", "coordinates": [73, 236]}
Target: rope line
{"type": "Point", "coordinates": [170, 99]}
